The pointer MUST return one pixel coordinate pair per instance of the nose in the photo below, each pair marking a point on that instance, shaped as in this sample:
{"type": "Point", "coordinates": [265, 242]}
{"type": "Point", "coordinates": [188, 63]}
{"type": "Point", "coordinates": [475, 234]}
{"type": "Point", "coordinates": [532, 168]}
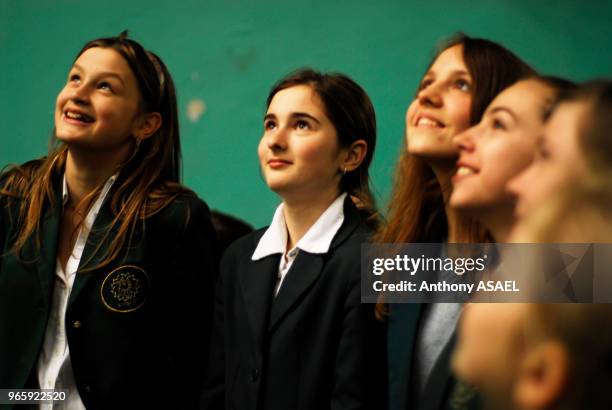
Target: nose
{"type": "Point", "coordinates": [276, 139]}
{"type": "Point", "coordinates": [465, 141]}
{"type": "Point", "coordinates": [80, 95]}
{"type": "Point", "coordinates": [431, 96]}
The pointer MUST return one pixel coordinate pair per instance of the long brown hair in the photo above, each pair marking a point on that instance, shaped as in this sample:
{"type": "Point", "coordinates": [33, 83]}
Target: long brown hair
{"type": "Point", "coordinates": [416, 211]}
{"type": "Point", "coordinates": [350, 110]}
{"type": "Point", "coordinates": [147, 181]}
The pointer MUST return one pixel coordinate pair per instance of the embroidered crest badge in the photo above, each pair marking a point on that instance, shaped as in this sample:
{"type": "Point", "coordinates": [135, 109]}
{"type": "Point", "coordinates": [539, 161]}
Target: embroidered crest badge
{"type": "Point", "coordinates": [125, 289]}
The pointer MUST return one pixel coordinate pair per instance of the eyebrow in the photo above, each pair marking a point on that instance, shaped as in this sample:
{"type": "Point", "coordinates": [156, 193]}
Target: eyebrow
{"type": "Point", "coordinates": [102, 74]}
{"type": "Point", "coordinates": [452, 73]}
{"type": "Point", "coordinates": [294, 115]}
{"type": "Point", "coordinates": [506, 110]}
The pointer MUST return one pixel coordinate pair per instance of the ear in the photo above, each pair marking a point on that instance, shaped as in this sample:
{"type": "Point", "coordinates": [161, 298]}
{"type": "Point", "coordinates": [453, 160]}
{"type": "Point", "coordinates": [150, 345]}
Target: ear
{"type": "Point", "coordinates": [543, 376]}
{"type": "Point", "coordinates": [147, 125]}
{"type": "Point", "coordinates": [353, 156]}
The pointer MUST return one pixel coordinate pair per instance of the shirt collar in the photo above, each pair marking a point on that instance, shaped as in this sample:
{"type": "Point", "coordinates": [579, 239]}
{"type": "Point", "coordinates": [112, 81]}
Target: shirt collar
{"type": "Point", "coordinates": [107, 186]}
{"type": "Point", "coordinates": [316, 240]}
{"type": "Point", "coordinates": [65, 193]}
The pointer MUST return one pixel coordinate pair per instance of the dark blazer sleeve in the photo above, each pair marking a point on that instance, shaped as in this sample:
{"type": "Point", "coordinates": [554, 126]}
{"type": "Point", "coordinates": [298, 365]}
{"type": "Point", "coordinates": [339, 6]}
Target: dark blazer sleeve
{"type": "Point", "coordinates": [192, 265]}
{"type": "Point", "coordinates": [5, 220]}
{"type": "Point", "coordinates": [3, 223]}
{"type": "Point", "coordinates": [213, 394]}
{"type": "Point", "coordinates": [360, 384]}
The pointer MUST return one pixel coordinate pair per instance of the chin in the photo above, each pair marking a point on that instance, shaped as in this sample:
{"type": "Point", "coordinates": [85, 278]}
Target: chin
{"type": "Point", "coordinates": [276, 186]}
{"type": "Point", "coordinates": [67, 139]}
{"type": "Point", "coordinates": [458, 362]}
{"type": "Point", "coordinates": [431, 149]}
{"type": "Point", "coordinates": [436, 156]}
{"type": "Point", "coordinates": [71, 139]}
{"type": "Point", "coordinates": [460, 205]}
{"type": "Point", "coordinates": [466, 205]}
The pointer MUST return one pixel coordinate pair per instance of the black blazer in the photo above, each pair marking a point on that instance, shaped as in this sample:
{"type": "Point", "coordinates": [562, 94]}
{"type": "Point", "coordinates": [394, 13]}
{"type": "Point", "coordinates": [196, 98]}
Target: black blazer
{"type": "Point", "coordinates": [138, 330]}
{"type": "Point", "coordinates": [313, 347]}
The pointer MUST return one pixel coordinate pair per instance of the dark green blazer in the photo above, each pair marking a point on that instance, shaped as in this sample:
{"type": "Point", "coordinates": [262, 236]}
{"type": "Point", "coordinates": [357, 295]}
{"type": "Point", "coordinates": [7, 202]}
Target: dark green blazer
{"type": "Point", "coordinates": [138, 329]}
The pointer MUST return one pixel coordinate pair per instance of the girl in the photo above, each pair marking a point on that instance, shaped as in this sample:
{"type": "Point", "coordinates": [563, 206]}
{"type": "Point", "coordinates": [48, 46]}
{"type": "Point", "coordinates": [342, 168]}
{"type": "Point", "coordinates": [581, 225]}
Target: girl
{"type": "Point", "coordinates": [458, 85]}
{"type": "Point", "coordinates": [106, 272]}
{"type": "Point", "coordinates": [553, 356]}
{"type": "Point", "coordinates": [545, 356]}
{"type": "Point", "coordinates": [499, 148]}
{"type": "Point", "coordinates": [573, 154]}
{"type": "Point", "coordinates": [290, 331]}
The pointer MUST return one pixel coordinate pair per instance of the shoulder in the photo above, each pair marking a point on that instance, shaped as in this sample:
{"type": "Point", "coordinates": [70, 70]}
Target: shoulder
{"type": "Point", "coordinates": [16, 178]}
{"type": "Point", "coordinates": [354, 231]}
{"type": "Point", "coordinates": [184, 207]}
{"type": "Point", "coordinates": [245, 244]}
{"type": "Point", "coordinates": [185, 212]}
{"type": "Point", "coordinates": [240, 251]}
{"type": "Point", "coordinates": [344, 255]}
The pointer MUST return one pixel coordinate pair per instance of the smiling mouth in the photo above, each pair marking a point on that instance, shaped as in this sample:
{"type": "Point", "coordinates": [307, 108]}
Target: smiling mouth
{"type": "Point", "coordinates": [78, 116]}
{"type": "Point", "coordinates": [425, 122]}
{"type": "Point", "coordinates": [464, 171]}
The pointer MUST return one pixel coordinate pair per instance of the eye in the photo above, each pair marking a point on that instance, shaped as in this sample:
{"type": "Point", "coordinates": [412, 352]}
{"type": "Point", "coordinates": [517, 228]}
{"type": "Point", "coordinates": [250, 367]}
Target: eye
{"type": "Point", "coordinates": [425, 83]}
{"type": "Point", "coordinates": [74, 78]}
{"type": "Point", "coordinates": [302, 125]}
{"type": "Point", "coordinates": [105, 86]}
{"type": "Point", "coordinates": [498, 124]}
{"type": "Point", "coordinates": [463, 85]}
{"type": "Point", "coordinates": [269, 125]}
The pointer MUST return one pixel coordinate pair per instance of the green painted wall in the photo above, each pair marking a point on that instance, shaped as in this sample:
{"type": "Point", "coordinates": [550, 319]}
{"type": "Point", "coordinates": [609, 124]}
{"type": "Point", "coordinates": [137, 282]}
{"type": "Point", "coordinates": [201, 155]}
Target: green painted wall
{"type": "Point", "coordinates": [228, 53]}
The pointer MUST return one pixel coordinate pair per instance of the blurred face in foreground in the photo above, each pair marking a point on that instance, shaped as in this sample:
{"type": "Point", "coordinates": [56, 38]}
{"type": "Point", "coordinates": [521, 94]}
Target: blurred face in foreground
{"type": "Point", "coordinates": [508, 353]}
{"type": "Point", "coordinates": [559, 164]}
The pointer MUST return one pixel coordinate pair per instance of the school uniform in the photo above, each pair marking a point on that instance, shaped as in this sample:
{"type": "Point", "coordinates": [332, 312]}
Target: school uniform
{"type": "Point", "coordinates": [439, 390]}
{"type": "Point", "coordinates": [137, 330]}
{"type": "Point", "coordinates": [297, 336]}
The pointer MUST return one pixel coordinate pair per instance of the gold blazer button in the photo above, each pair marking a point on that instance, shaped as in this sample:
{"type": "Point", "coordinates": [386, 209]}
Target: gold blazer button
{"type": "Point", "coordinates": [76, 324]}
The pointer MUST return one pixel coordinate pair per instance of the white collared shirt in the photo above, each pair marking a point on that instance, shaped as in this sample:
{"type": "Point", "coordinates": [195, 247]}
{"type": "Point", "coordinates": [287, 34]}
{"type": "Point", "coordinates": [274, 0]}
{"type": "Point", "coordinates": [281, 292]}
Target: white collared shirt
{"type": "Point", "coordinates": [54, 366]}
{"type": "Point", "coordinates": [317, 239]}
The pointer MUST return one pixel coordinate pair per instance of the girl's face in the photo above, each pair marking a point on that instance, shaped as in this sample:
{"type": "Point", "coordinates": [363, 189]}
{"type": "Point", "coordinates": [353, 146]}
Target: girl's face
{"type": "Point", "coordinates": [491, 345]}
{"type": "Point", "coordinates": [499, 147]}
{"type": "Point", "coordinates": [98, 108]}
{"type": "Point", "coordinates": [299, 153]}
{"type": "Point", "coordinates": [559, 162]}
{"type": "Point", "coordinates": [441, 108]}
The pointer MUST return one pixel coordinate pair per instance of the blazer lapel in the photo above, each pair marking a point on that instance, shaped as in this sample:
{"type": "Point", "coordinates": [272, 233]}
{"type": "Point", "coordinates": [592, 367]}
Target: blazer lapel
{"type": "Point", "coordinates": [91, 254]}
{"type": "Point", "coordinates": [47, 258]}
{"type": "Point", "coordinates": [307, 267]}
{"type": "Point", "coordinates": [257, 287]}
{"type": "Point", "coordinates": [304, 271]}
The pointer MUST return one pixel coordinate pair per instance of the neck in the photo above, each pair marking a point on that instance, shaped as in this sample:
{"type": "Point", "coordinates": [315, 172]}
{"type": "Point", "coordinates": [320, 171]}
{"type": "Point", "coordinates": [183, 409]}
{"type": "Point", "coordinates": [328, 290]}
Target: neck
{"type": "Point", "coordinates": [498, 222]}
{"type": "Point", "coordinates": [444, 170]}
{"type": "Point", "coordinates": [300, 214]}
{"type": "Point", "coordinates": [87, 170]}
